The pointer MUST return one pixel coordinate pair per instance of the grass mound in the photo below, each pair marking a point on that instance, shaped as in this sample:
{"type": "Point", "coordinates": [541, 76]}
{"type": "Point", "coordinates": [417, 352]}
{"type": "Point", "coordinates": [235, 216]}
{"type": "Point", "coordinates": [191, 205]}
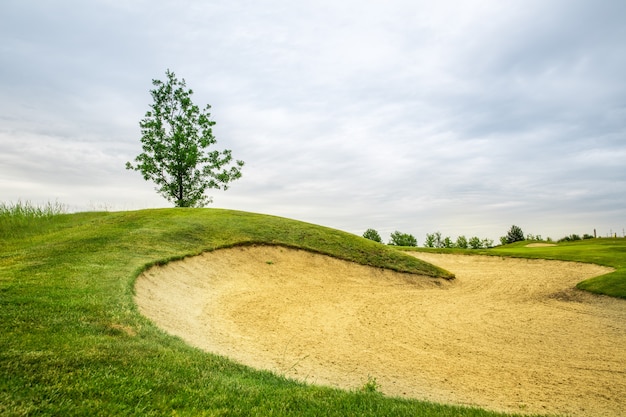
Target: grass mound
{"type": "Point", "coordinates": [73, 343]}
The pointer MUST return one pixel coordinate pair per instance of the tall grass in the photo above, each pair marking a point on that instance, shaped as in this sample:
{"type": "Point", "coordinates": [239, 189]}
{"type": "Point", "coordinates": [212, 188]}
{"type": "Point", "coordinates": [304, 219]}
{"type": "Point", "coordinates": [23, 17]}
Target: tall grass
{"type": "Point", "coordinates": [17, 218]}
{"type": "Point", "coordinates": [27, 210]}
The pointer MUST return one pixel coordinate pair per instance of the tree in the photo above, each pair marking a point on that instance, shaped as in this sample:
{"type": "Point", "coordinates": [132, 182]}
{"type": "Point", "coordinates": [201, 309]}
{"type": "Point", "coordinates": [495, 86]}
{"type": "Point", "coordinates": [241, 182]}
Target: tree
{"type": "Point", "coordinates": [475, 242]}
{"type": "Point", "coordinates": [402, 239]}
{"type": "Point", "coordinates": [372, 234]}
{"type": "Point", "coordinates": [430, 240]}
{"type": "Point", "coordinates": [176, 136]}
{"type": "Point", "coordinates": [486, 243]}
{"type": "Point", "coordinates": [515, 234]}
{"type": "Point", "coordinates": [438, 240]}
{"type": "Point", "coordinates": [461, 242]}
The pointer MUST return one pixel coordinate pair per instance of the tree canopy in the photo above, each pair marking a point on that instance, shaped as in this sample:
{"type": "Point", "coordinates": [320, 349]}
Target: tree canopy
{"type": "Point", "coordinates": [176, 137]}
{"type": "Point", "coordinates": [372, 234]}
{"type": "Point", "coordinates": [515, 234]}
{"type": "Point", "coordinates": [402, 239]}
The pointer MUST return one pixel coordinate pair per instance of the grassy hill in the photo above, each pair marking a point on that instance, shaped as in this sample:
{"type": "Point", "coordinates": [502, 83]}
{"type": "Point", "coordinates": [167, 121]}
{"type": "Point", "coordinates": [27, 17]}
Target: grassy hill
{"type": "Point", "coordinates": [73, 343]}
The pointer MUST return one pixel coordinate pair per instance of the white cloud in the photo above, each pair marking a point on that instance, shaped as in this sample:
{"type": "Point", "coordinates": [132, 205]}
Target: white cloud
{"type": "Point", "coordinates": [418, 116]}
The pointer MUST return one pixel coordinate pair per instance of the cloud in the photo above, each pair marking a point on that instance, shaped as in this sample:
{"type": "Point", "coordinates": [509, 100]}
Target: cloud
{"type": "Point", "coordinates": [418, 116]}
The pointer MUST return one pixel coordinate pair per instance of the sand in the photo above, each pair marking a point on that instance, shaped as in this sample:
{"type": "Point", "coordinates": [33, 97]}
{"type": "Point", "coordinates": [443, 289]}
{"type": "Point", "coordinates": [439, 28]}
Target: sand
{"type": "Point", "coordinates": [508, 334]}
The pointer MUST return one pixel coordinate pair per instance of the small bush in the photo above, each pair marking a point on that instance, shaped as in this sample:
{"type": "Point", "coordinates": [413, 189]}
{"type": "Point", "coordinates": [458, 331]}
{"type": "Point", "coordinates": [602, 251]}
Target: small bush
{"type": "Point", "coordinates": [371, 386]}
{"type": "Point", "coordinates": [430, 241]}
{"type": "Point", "coordinates": [402, 239]}
{"type": "Point", "coordinates": [515, 234]}
{"type": "Point", "coordinates": [475, 242]}
{"type": "Point", "coordinates": [570, 238]}
{"type": "Point", "coordinates": [372, 234]}
{"type": "Point", "coordinates": [486, 243]}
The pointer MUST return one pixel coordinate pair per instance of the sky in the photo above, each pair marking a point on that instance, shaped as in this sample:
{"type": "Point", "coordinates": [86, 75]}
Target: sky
{"type": "Point", "coordinates": [464, 117]}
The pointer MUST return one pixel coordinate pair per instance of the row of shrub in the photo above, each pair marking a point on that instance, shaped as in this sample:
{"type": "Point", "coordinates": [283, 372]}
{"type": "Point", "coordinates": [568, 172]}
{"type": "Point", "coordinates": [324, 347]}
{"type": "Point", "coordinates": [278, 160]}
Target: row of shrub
{"type": "Point", "coordinates": [436, 240]}
{"type": "Point", "coordinates": [433, 240]}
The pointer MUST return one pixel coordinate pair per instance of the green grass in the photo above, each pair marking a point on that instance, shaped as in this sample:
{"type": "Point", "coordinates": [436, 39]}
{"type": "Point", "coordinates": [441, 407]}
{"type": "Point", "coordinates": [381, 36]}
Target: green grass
{"type": "Point", "coordinates": [73, 343]}
{"type": "Point", "coordinates": [603, 251]}
{"type": "Point", "coordinates": [15, 217]}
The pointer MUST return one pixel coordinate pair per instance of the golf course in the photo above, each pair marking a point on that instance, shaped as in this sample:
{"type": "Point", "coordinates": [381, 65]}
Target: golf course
{"type": "Point", "coordinates": [211, 312]}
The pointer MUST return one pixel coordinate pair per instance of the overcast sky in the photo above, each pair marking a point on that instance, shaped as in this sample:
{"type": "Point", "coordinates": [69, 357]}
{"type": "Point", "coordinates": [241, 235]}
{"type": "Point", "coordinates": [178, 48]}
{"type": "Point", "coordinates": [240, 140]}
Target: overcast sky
{"type": "Point", "coordinates": [464, 117]}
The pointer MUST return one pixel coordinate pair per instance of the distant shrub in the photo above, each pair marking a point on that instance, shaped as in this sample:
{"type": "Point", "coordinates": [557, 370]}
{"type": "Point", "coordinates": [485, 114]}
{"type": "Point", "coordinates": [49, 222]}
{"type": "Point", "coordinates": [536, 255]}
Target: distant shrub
{"type": "Point", "coordinates": [537, 238]}
{"type": "Point", "coordinates": [475, 243]}
{"type": "Point", "coordinates": [587, 236]}
{"type": "Point", "coordinates": [515, 234]}
{"type": "Point", "coordinates": [372, 234]}
{"type": "Point", "coordinates": [435, 240]}
{"type": "Point", "coordinates": [402, 239]}
{"type": "Point", "coordinates": [461, 242]}
{"type": "Point", "coordinates": [570, 238]}
{"type": "Point", "coordinates": [486, 243]}
{"type": "Point", "coordinates": [430, 240]}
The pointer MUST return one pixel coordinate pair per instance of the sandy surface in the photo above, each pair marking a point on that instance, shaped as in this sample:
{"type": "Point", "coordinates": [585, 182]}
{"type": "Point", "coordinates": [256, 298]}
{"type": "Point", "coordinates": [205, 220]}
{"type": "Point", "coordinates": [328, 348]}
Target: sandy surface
{"type": "Point", "coordinates": [508, 334]}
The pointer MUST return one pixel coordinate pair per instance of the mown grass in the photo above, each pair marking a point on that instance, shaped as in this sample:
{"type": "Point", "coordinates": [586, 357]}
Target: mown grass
{"type": "Point", "coordinates": [602, 251]}
{"type": "Point", "coordinates": [73, 343]}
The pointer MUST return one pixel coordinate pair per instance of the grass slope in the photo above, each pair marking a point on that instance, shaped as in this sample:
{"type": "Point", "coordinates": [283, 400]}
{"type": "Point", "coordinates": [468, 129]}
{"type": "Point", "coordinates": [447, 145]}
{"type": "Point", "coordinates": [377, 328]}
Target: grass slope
{"type": "Point", "coordinates": [73, 343]}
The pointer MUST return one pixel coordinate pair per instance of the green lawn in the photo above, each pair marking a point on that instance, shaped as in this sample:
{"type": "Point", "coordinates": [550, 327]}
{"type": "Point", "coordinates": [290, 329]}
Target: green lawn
{"type": "Point", "coordinates": [73, 343]}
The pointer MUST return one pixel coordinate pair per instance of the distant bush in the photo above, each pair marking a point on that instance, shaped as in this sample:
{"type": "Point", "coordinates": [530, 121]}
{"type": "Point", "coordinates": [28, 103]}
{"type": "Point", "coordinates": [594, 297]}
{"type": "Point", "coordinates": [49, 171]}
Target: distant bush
{"type": "Point", "coordinates": [435, 240]}
{"type": "Point", "coordinates": [587, 236]}
{"type": "Point", "coordinates": [372, 234]}
{"type": "Point", "coordinates": [570, 238]}
{"type": "Point", "coordinates": [486, 243]}
{"type": "Point", "coordinates": [430, 240]}
{"type": "Point", "coordinates": [515, 234]}
{"type": "Point", "coordinates": [475, 243]}
{"type": "Point", "coordinates": [402, 239]}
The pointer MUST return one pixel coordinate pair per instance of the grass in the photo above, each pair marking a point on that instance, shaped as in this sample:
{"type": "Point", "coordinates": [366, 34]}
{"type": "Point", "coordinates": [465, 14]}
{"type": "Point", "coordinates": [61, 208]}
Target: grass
{"type": "Point", "coordinates": [602, 251]}
{"type": "Point", "coordinates": [72, 342]}
{"type": "Point", "coordinates": [15, 217]}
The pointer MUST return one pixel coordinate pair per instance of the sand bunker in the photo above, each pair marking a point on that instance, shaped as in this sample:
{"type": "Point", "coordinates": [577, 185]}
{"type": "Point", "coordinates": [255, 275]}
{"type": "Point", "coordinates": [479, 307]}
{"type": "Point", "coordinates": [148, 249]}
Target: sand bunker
{"type": "Point", "coordinates": [508, 334]}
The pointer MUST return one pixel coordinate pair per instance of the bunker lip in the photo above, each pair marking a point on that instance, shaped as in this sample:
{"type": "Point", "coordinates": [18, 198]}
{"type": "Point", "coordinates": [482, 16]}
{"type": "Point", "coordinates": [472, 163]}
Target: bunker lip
{"type": "Point", "coordinates": [508, 334]}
